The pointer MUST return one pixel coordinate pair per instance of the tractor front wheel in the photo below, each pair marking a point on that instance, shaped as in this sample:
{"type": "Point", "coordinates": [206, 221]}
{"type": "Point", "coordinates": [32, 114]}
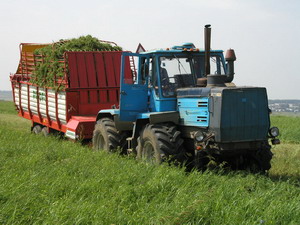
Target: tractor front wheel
{"type": "Point", "coordinates": [261, 161]}
{"type": "Point", "coordinates": [161, 142]}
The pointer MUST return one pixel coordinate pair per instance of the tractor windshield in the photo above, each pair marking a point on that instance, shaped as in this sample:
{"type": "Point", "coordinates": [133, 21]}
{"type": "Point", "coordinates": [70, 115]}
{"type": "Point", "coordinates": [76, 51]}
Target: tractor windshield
{"type": "Point", "coordinates": [178, 71]}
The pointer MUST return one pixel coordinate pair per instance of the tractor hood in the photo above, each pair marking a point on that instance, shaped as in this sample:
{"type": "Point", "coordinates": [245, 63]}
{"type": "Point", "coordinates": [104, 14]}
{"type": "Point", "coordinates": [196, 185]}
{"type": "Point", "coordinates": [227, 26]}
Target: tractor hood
{"type": "Point", "coordinates": [233, 114]}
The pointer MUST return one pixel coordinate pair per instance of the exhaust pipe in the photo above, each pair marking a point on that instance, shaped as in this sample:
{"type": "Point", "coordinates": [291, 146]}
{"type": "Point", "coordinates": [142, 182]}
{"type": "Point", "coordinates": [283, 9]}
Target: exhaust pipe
{"type": "Point", "coordinates": [207, 39]}
{"type": "Point", "coordinates": [215, 80]}
{"type": "Point", "coordinates": [230, 58]}
{"type": "Point", "coordinates": [202, 82]}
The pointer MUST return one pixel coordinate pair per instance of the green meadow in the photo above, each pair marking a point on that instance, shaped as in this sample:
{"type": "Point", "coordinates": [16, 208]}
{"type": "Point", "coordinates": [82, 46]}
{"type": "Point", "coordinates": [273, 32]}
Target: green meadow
{"type": "Point", "coordinates": [54, 181]}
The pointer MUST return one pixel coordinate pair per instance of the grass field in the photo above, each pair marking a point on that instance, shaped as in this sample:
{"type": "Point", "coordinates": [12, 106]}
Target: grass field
{"type": "Point", "coordinates": [51, 181]}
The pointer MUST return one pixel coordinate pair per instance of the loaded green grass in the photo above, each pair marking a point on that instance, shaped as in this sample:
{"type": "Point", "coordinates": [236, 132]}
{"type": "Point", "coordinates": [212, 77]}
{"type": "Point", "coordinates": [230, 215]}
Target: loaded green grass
{"type": "Point", "coordinates": [50, 68]}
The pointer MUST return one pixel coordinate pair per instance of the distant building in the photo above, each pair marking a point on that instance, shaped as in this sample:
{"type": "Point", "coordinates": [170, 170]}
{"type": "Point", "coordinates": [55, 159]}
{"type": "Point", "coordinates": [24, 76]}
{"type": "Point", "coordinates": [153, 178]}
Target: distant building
{"type": "Point", "coordinates": [285, 106]}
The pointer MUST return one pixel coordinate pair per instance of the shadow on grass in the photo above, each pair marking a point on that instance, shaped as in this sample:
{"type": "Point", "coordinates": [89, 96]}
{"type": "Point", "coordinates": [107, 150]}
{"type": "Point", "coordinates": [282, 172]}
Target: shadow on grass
{"type": "Point", "coordinates": [288, 178]}
{"type": "Point", "coordinates": [292, 179]}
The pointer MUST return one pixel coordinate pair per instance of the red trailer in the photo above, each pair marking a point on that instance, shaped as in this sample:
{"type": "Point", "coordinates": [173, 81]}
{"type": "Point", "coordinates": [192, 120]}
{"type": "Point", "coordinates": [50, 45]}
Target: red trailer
{"type": "Point", "coordinates": [91, 82]}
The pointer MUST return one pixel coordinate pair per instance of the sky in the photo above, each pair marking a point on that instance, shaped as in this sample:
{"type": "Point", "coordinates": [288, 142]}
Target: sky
{"type": "Point", "coordinates": [265, 34]}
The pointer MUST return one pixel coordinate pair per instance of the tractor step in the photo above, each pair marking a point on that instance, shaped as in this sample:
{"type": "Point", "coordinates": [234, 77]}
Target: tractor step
{"type": "Point", "coordinates": [129, 145]}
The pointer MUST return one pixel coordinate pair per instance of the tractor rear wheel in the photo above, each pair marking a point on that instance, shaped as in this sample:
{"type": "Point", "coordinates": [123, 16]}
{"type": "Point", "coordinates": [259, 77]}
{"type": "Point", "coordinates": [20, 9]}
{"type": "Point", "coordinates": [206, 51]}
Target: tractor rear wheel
{"type": "Point", "coordinates": [161, 142]}
{"type": "Point", "coordinates": [106, 136]}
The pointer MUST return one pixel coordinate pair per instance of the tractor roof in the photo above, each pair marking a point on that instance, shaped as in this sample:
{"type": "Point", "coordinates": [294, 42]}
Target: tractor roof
{"type": "Point", "coordinates": [186, 47]}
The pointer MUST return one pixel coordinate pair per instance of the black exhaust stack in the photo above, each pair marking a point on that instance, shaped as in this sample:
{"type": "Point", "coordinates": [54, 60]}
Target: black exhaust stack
{"type": "Point", "coordinates": [215, 80]}
{"type": "Point", "coordinates": [207, 40]}
{"type": "Point", "coordinates": [202, 82]}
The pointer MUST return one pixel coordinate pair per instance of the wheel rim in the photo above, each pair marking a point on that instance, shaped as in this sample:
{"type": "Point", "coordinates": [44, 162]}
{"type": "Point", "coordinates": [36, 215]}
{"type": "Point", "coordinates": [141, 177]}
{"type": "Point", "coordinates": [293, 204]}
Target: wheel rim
{"type": "Point", "coordinates": [45, 131]}
{"type": "Point", "coordinates": [148, 152]}
{"type": "Point", "coordinates": [101, 142]}
{"type": "Point", "coordinates": [36, 129]}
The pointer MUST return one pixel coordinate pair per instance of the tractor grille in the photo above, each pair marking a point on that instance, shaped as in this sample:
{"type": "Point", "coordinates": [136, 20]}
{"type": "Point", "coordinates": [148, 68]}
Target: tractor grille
{"type": "Point", "coordinates": [244, 115]}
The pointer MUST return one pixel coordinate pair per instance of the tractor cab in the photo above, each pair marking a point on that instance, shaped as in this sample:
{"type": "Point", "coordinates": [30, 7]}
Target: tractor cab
{"type": "Point", "coordinates": [180, 68]}
{"type": "Point", "coordinates": [158, 74]}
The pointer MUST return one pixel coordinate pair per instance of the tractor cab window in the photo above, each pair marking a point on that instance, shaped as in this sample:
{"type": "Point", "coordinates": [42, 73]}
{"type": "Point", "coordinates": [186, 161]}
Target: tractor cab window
{"type": "Point", "coordinates": [175, 72]}
{"type": "Point", "coordinates": [216, 66]}
{"type": "Point", "coordinates": [180, 71]}
{"type": "Point", "coordinates": [146, 69]}
{"type": "Point", "coordinates": [136, 70]}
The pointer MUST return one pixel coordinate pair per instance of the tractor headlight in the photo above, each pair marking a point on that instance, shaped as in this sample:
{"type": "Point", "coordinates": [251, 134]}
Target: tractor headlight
{"type": "Point", "coordinates": [274, 131]}
{"type": "Point", "coordinates": [199, 136]}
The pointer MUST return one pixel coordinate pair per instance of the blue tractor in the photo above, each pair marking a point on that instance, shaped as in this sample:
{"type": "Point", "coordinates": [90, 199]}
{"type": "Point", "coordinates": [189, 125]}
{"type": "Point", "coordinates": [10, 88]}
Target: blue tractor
{"type": "Point", "coordinates": [182, 106]}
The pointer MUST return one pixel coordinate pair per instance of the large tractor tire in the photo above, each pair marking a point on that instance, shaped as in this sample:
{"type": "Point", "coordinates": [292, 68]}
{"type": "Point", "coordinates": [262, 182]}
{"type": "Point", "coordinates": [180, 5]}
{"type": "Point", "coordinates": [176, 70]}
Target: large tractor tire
{"type": "Point", "coordinates": [257, 161]}
{"type": "Point", "coordinates": [106, 137]}
{"type": "Point", "coordinates": [261, 161]}
{"type": "Point", "coordinates": [265, 158]}
{"type": "Point", "coordinates": [161, 142]}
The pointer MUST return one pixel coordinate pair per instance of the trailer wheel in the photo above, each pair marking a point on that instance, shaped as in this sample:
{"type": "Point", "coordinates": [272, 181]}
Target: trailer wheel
{"type": "Point", "coordinates": [37, 129]}
{"type": "Point", "coordinates": [161, 142]}
{"type": "Point", "coordinates": [45, 131]}
{"type": "Point", "coordinates": [106, 136]}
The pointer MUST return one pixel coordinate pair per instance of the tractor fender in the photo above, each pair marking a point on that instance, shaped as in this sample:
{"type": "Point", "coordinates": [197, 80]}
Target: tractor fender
{"type": "Point", "coordinates": [114, 114]}
{"type": "Point", "coordinates": [161, 117]}
{"type": "Point", "coordinates": [153, 118]}
{"type": "Point", "coordinates": [107, 113]}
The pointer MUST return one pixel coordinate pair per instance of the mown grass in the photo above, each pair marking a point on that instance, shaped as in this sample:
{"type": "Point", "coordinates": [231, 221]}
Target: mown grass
{"type": "Point", "coordinates": [51, 181]}
{"type": "Point", "coordinates": [7, 107]}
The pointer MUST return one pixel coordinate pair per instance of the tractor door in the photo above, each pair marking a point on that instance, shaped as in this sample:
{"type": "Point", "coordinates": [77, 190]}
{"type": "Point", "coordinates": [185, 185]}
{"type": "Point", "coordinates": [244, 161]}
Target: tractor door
{"type": "Point", "coordinates": [134, 85]}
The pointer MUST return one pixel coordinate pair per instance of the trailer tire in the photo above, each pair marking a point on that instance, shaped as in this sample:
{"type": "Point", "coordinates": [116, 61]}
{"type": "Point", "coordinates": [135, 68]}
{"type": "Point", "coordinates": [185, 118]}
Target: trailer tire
{"type": "Point", "coordinates": [106, 136]}
{"type": "Point", "coordinates": [37, 129]}
{"type": "Point", "coordinates": [161, 142]}
{"type": "Point", "coordinates": [45, 131]}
